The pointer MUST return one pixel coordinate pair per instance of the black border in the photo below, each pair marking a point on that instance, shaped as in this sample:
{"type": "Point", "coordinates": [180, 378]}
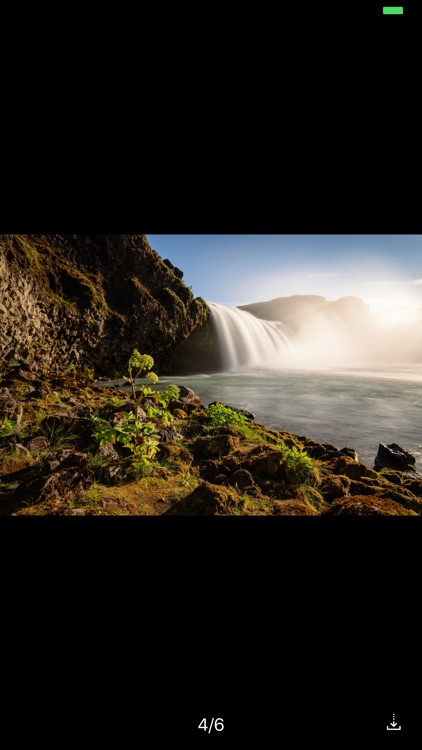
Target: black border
{"type": "Point", "coordinates": [204, 611]}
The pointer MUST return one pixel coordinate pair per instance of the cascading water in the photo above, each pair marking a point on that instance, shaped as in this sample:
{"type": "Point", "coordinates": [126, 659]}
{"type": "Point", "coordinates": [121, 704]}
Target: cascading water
{"type": "Point", "coordinates": [247, 342]}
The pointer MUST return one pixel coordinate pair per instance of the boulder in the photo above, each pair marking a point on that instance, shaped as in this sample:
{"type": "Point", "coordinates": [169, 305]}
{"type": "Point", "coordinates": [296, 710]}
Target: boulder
{"type": "Point", "coordinates": [210, 469]}
{"type": "Point", "coordinates": [393, 457]}
{"type": "Point", "coordinates": [61, 481]}
{"type": "Point", "coordinates": [414, 486]}
{"type": "Point", "coordinates": [168, 435]}
{"type": "Point", "coordinates": [175, 455]}
{"type": "Point", "coordinates": [37, 444]}
{"type": "Point", "coordinates": [350, 452]}
{"type": "Point", "coordinates": [213, 446]}
{"type": "Point", "coordinates": [269, 465]}
{"type": "Point", "coordinates": [243, 480]}
{"type": "Point", "coordinates": [188, 397]}
{"type": "Point", "coordinates": [349, 467]}
{"type": "Point", "coordinates": [207, 500]}
{"type": "Point", "coordinates": [334, 486]}
{"type": "Point", "coordinates": [108, 451]}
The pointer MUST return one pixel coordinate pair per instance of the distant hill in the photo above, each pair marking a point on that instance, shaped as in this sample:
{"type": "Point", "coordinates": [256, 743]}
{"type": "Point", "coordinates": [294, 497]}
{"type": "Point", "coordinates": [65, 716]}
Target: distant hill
{"type": "Point", "coordinates": [300, 311]}
{"type": "Point", "coordinates": [393, 335]}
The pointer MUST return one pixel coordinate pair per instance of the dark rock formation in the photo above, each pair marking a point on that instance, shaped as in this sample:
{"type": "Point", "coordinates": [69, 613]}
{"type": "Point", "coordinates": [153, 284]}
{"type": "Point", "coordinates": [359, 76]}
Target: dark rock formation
{"type": "Point", "coordinates": [63, 479]}
{"type": "Point", "coordinates": [393, 457]}
{"type": "Point", "coordinates": [207, 500]}
{"type": "Point", "coordinates": [89, 300]}
{"type": "Point", "coordinates": [200, 352]}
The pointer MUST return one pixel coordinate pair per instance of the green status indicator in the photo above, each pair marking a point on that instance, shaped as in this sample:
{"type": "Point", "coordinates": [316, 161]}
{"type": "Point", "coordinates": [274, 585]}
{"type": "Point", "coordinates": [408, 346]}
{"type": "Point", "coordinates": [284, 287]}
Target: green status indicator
{"type": "Point", "coordinates": [393, 10]}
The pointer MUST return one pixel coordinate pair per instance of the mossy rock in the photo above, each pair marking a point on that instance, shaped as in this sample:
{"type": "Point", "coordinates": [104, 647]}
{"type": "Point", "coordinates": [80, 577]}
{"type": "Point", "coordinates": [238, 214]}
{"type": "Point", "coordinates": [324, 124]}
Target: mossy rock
{"type": "Point", "coordinates": [362, 488]}
{"type": "Point", "coordinates": [213, 446]}
{"type": "Point", "coordinates": [269, 465]}
{"type": "Point", "coordinates": [242, 480]}
{"type": "Point", "coordinates": [405, 498]}
{"type": "Point", "coordinates": [312, 497]}
{"type": "Point", "coordinates": [175, 455]}
{"type": "Point", "coordinates": [363, 505]}
{"type": "Point", "coordinates": [293, 508]}
{"type": "Point", "coordinates": [349, 467]}
{"type": "Point", "coordinates": [334, 486]}
{"type": "Point", "coordinates": [270, 436]}
{"type": "Point", "coordinates": [414, 486]}
{"type": "Point", "coordinates": [385, 489]}
{"type": "Point", "coordinates": [208, 500]}
{"type": "Point", "coordinates": [210, 469]}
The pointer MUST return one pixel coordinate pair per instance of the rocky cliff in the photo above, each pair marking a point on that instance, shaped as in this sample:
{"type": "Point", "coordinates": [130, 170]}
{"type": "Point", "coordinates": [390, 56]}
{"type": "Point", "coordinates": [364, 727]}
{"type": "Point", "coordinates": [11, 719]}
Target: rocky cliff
{"type": "Point", "coordinates": [89, 300]}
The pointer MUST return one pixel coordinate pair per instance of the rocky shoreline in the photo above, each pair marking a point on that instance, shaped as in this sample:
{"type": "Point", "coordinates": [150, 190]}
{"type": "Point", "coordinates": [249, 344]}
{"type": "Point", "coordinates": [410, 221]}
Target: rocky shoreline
{"type": "Point", "coordinates": [52, 462]}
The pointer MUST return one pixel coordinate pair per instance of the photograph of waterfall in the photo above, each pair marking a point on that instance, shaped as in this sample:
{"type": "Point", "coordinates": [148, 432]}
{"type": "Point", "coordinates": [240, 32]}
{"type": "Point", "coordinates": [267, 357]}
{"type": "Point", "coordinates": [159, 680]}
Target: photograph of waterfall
{"type": "Point", "coordinates": [216, 375]}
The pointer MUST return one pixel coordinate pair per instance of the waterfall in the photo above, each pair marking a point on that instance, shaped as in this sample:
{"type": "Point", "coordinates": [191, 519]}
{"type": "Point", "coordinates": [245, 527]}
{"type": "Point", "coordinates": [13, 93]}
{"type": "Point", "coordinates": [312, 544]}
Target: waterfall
{"type": "Point", "coordinates": [247, 342]}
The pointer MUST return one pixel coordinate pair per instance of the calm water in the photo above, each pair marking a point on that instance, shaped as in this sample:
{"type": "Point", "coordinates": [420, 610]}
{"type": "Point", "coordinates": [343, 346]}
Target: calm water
{"type": "Point", "coordinates": [355, 407]}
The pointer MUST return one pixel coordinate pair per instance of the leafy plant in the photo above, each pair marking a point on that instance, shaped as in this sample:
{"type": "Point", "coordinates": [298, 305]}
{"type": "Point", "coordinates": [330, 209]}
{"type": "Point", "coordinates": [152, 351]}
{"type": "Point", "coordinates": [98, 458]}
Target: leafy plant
{"type": "Point", "coordinates": [140, 437]}
{"type": "Point", "coordinates": [116, 401]}
{"type": "Point", "coordinates": [138, 365]}
{"type": "Point", "coordinates": [301, 467]}
{"type": "Point", "coordinates": [7, 428]}
{"type": "Point", "coordinates": [17, 429]}
{"type": "Point", "coordinates": [170, 393]}
{"type": "Point", "coordinates": [141, 467]}
{"type": "Point", "coordinates": [223, 416]}
{"type": "Point", "coordinates": [161, 415]}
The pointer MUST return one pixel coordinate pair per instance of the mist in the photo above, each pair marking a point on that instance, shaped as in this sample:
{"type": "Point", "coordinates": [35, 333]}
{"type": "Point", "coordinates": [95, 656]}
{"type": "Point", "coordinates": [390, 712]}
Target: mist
{"type": "Point", "coordinates": [307, 331]}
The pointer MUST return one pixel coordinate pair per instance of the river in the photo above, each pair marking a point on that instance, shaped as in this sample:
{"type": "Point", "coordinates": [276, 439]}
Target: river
{"type": "Point", "coordinates": [354, 407]}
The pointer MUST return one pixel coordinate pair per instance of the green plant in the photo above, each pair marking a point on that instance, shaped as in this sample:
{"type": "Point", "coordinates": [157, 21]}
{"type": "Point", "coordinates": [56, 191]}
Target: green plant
{"type": "Point", "coordinates": [141, 438]}
{"type": "Point", "coordinates": [58, 436]}
{"type": "Point", "coordinates": [7, 428]}
{"type": "Point", "coordinates": [116, 401]}
{"type": "Point", "coordinates": [301, 468]}
{"type": "Point", "coordinates": [53, 398]}
{"type": "Point", "coordinates": [40, 414]}
{"type": "Point", "coordinates": [141, 467]}
{"type": "Point", "coordinates": [188, 481]}
{"type": "Point", "coordinates": [170, 393]}
{"type": "Point", "coordinates": [137, 365]}
{"type": "Point", "coordinates": [161, 415]}
{"type": "Point", "coordinates": [223, 416]}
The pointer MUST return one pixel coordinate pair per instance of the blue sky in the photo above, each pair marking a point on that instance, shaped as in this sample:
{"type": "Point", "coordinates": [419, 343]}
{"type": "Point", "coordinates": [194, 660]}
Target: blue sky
{"type": "Point", "coordinates": [383, 270]}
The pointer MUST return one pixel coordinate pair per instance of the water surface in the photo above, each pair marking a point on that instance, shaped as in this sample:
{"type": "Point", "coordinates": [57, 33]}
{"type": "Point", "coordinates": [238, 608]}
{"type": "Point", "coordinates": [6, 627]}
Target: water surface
{"type": "Point", "coordinates": [356, 407]}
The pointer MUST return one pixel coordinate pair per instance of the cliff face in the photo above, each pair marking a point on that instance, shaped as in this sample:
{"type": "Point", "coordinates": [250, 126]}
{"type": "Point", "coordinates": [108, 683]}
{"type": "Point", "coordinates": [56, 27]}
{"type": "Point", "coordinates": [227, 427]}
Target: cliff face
{"type": "Point", "coordinates": [90, 300]}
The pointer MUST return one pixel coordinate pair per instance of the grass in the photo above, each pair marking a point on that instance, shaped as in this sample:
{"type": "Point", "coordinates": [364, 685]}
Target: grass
{"type": "Point", "coordinates": [58, 437]}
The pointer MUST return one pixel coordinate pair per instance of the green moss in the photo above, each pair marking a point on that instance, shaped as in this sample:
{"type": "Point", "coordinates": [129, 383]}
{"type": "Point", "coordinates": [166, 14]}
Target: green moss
{"type": "Point", "coordinates": [53, 269]}
{"type": "Point", "coordinates": [312, 498]}
{"type": "Point", "coordinates": [171, 299]}
{"type": "Point", "coordinates": [30, 251]}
